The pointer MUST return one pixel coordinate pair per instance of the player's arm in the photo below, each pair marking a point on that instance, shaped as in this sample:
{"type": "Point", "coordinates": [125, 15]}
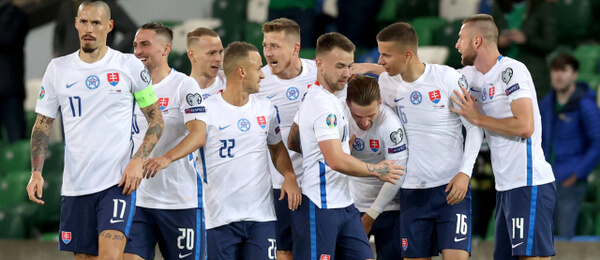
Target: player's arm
{"type": "Point", "coordinates": [520, 124]}
{"type": "Point", "coordinates": [342, 162]}
{"type": "Point", "coordinates": [192, 142]}
{"type": "Point", "coordinates": [281, 160]}
{"type": "Point", "coordinates": [367, 68]}
{"type": "Point", "coordinates": [40, 136]}
{"type": "Point", "coordinates": [294, 139]}
{"type": "Point", "coordinates": [148, 102]}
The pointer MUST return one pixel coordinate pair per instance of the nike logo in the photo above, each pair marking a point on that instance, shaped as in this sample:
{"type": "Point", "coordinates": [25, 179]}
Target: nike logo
{"type": "Point", "coordinates": [456, 239]}
{"type": "Point", "coordinates": [184, 256]}
{"type": "Point", "coordinates": [272, 96]}
{"type": "Point", "coordinates": [223, 127]}
{"type": "Point", "coordinates": [474, 90]}
{"type": "Point", "coordinates": [70, 85]}
{"type": "Point", "coordinates": [513, 246]}
{"type": "Point", "coordinates": [113, 221]}
{"type": "Point", "coordinates": [397, 99]}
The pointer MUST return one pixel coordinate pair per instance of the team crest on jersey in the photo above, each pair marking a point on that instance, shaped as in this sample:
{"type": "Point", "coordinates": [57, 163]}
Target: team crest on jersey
{"type": "Point", "coordinates": [358, 144]}
{"type": "Point", "coordinates": [113, 78]}
{"type": "Point", "coordinates": [416, 98]}
{"type": "Point", "coordinates": [404, 244]}
{"type": "Point", "coordinates": [292, 93]}
{"type": "Point", "coordinates": [484, 94]}
{"type": "Point", "coordinates": [435, 96]}
{"type": "Point", "coordinates": [374, 144]}
{"type": "Point", "coordinates": [331, 120]}
{"type": "Point", "coordinates": [193, 99]}
{"type": "Point", "coordinates": [397, 136]}
{"type": "Point", "coordinates": [205, 96]}
{"type": "Point", "coordinates": [163, 103]}
{"type": "Point", "coordinates": [42, 93]}
{"type": "Point", "coordinates": [507, 75]}
{"type": "Point", "coordinates": [66, 237]}
{"type": "Point", "coordinates": [145, 75]}
{"type": "Point", "coordinates": [492, 92]}
{"type": "Point", "coordinates": [244, 125]}
{"type": "Point", "coordinates": [462, 82]}
{"type": "Point", "coordinates": [325, 257]}
{"type": "Point", "coordinates": [92, 82]}
{"type": "Point", "coordinates": [262, 122]}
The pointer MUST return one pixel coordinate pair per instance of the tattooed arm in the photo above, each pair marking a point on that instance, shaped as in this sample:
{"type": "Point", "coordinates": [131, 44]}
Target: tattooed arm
{"type": "Point", "coordinates": [294, 139]}
{"type": "Point", "coordinates": [39, 144]}
{"type": "Point", "coordinates": [132, 176]}
{"type": "Point", "coordinates": [346, 164]}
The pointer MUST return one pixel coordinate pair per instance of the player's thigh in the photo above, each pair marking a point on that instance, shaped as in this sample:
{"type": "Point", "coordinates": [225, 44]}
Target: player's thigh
{"type": "Point", "coordinates": [386, 231]}
{"type": "Point", "coordinates": [283, 226]}
{"type": "Point", "coordinates": [224, 242]}
{"type": "Point", "coordinates": [352, 240]}
{"type": "Point", "coordinates": [78, 225]}
{"type": "Point", "coordinates": [180, 233]}
{"type": "Point", "coordinates": [453, 227]}
{"type": "Point", "coordinates": [261, 243]}
{"type": "Point", "coordinates": [417, 232]}
{"type": "Point", "coordinates": [142, 237]}
{"type": "Point", "coordinates": [317, 231]}
{"type": "Point", "coordinates": [111, 244]}
{"type": "Point", "coordinates": [115, 213]}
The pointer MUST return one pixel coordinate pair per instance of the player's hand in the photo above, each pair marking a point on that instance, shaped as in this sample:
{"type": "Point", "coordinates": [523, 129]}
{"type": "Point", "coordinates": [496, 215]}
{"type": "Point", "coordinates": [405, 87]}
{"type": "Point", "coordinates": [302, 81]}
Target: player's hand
{"type": "Point", "coordinates": [570, 181]}
{"type": "Point", "coordinates": [153, 165]}
{"type": "Point", "coordinates": [291, 188]}
{"type": "Point", "coordinates": [386, 171]}
{"type": "Point", "coordinates": [352, 139]}
{"type": "Point", "coordinates": [458, 187]}
{"type": "Point", "coordinates": [367, 222]}
{"type": "Point", "coordinates": [467, 104]}
{"type": "Point", "coordinates": [34, 187]}
{"type": "Point", "coordinates": [132, 176]}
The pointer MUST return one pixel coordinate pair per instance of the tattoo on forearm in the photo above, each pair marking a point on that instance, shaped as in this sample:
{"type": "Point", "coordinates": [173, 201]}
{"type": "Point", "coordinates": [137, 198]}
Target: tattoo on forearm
{"type": "Point", "coordinates": [153, 134]}
{"type": "Point", "coordinates": [381, 170]}
{"type": "Point", "coordinates": [40, 136]}
{"type": "Point", "coordinates": [111, 236]}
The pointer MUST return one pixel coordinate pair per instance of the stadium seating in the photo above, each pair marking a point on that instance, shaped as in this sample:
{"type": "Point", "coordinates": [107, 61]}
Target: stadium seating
{"type": "Point", "coordinates": [254, 35]}
{"type": "Point", "coordinates": [425, 27]}
{"type": "Point", "coordinates": [12, 188]}
{"type": "Point", "coordinates": [14, 222]}
{"type": "Point", "coordinates": [453, 10]}
{"type": "Point", "coordinates": [15, 157]}
{"type": "Point", "coordinates": [588, 57]}
{"type": "Point", "coordinates": [233, 15]}
{"type": "Point", "coordinates": [50, 211]}
{"type": "Point", "coordinates": [573, 20]}
{"type": "Point", "coordinates": [591, 79]}
{"type": "Point", "coordinates": [447, 35]}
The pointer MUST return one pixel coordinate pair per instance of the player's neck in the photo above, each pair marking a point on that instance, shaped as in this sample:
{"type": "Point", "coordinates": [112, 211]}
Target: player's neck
{"type": "Point", "coordinates": [486, 59]}
{"type": "Point", "coordinates": [415, 69]}
{"type": "Point", "coordinates": [292, 71]}
{"type": "Point", "coordinates": [234, 95]}
{"type": "Point", "coordinates": [326, 86]}
{"type": "Point", "coordinates": [160, 72]}
{"type": "Point", "coordinates": [96, 55]}
{"type": "Point", "coordinates": [203, 80]}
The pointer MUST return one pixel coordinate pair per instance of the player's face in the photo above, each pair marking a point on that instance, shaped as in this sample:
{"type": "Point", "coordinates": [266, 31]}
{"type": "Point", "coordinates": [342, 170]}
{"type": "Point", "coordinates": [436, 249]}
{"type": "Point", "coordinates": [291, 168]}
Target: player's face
{"type": "Point", "coordinates": [207, 55]}
{"type": "Point", "coordinates": [563, 78]}
{"type": "Point", "coordinates": [93, 26]}
{"type": "Point", "coordinates": [335, 67]}
{"type": "Point", "coordinates": [253, 73]}
{"type": "Point", "coordinates": [278, 51]}
{"type": "Point", "coordinates": [364, 115]}
{"type": "Point", "coordinates": [149, 48]}
{"type": "Point", "coordinates": [465, 47]}
{"type": "Point", "coordinates": [392, 58]}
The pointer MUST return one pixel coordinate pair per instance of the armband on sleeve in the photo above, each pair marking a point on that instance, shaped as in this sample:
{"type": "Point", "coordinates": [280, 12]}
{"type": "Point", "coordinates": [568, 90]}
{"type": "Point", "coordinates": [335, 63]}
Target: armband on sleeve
{"type": "Point", "coordinates": [145, 97]}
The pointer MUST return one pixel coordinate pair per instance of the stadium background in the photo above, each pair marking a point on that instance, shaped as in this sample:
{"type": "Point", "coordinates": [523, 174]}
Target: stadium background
{"type": "Point", "coordinates": [28, 231]}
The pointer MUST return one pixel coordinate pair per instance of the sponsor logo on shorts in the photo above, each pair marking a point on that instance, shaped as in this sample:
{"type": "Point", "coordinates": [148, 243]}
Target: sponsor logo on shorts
{"type": "Point", "coordinates": [184, 256]}
{"type": "Point", "coordinates": [113, 221]}
{"type": "Point", "coordinates": [456, 239]}
{"type": "Point", "coordinates": [516, 245]}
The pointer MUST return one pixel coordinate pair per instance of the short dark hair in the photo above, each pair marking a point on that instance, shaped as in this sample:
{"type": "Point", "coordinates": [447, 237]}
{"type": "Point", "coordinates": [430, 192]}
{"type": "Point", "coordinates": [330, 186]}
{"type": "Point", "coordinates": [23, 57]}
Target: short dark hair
{"type": "Point", "coordinates": [193, 35]}
{"type": "Point", "coordinates": [400, 32]}
{"type": "Point", "coordinates": [97, 4]}
{"type": "Point", "coordinates": [329, 41]}
{"type": "Point", "coordinates": [234, 54]}
{"type": "Point", "coordinates": [485, 24]}
{"type": "Point", "coordinates": [159, 29]}
{"type": "Point", "coordinates": [289, 27]}
{"type": "Point", "coordinates": [363, 90]}
{"type": "Point", "coordinates": [563, 60]}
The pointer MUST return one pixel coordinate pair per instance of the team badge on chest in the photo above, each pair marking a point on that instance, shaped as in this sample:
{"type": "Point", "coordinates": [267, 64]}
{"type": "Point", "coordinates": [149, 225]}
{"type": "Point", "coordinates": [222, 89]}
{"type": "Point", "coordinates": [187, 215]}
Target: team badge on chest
{"type": "Point", "coordinates": [163, 103]}
{"type": "Point", "coordinates": [244, 125]}
{"type": "Point", "coordinates": [435, 96]}
{"type": "Point", "coordinates": [416, 98]}
{"type": "Point", "coordinates": [113, 78]}
{"type": "Point", "coordinates": [262, 122]}
{"type": "Point", "coordinates": [374, 145]}
{"type": "Point", "coordinates": [358, 144]}
{"type": "Point", "coordinates": [92, 82]}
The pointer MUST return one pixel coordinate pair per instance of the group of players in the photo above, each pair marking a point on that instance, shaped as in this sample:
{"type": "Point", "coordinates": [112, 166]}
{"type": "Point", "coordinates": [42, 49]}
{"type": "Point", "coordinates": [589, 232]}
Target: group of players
{"type": "Point", "coordinates": [297, 159]}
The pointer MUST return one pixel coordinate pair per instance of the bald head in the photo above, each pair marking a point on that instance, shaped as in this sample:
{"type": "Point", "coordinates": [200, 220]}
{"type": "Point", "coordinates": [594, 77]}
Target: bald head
{"type": "Point", "coordinates": [96, 4]}
{"type": "Point", "coordinates": [482, 25]}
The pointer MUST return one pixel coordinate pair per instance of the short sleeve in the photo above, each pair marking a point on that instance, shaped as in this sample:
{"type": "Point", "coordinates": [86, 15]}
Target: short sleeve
{"type": "Point", "coordinates": [518, 83]}
{"type": "Point", "coordinates": [48, 103]}
{"type": "Point", "coordinates": [394, 137]}
{"type": "Point", "coordinates": [274, 135]}
{"type": "Point", "coordinates": [140, 77]}
{"type": "Point", "coordinates": [190, 97]}
{"type": "Point", "coordinates": [325, 121]}
{"type": "Point", "coordinates": [455, 81]}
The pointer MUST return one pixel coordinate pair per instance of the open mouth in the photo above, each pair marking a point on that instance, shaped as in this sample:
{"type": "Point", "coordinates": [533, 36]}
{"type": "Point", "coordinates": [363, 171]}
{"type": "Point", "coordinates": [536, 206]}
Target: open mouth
{"type": "Point", "coordinates": [273, 63]}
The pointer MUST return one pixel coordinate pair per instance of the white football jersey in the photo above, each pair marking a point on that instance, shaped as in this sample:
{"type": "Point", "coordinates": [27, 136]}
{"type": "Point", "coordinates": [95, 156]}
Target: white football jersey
{"type": "Point", "coordinates": [286, 96]}
{"type": "Point", "coordinates": [237, 184]}
{"type": "Point", "coordinates": [96, 101]}
{"type": "Point", "coordinates": [178, 186]}
{"type": "Point", "coordinates": [516, 162]}
{"type": "Point", "coordinates": [321, 117]}
{"type": "Point", "coordinates": [434, 133]}
{"type": "Point", "coordinates": [385, 140]}
{"type": "Point", "coordinates": [216, 87]}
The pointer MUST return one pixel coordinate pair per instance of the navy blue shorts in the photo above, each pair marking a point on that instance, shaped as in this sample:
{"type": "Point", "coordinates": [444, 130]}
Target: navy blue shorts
{"type": "Point", "coordinates": [283, 226]}
{"type": "Point", "coordinates": [83, 218]}
{"type": "Point", "coordinates": [386, 232]}
{"type": "Point", "coordinates": [242, 240]}
{"type": "Point", "coordinates": [329, 233]}
{"type": "Point", "coordinates": [524, 222]}
{"type": "Point", "coordinates": [179, 233]}
{"type": "Point", "coordinates": [429, 225]}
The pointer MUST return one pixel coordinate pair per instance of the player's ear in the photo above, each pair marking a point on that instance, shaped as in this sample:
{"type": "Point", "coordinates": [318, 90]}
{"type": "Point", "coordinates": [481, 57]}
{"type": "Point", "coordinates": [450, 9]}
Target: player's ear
{"type": "Point", "coordinates": [167, 49]}
{"type": "Point", "coordinates": [190, 54]}
{"type": "Point", "coordinates": [296, 49]}
{"type": "Point", "coordinates": [111, 25]}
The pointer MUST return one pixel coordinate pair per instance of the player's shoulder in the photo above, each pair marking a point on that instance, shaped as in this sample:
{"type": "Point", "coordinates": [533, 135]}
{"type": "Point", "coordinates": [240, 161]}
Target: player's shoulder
{"type": "Point", "coordinates": [509, 65]}
{"type": "Point", "coordinates": [310, 65]}
{"type": "Point", "coordinates": [388, 117]}
{"type": "Point", "coordinates": [266, 70]}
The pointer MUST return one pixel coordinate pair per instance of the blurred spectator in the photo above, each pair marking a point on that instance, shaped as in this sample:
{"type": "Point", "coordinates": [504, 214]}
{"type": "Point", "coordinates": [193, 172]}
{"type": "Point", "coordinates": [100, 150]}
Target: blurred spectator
{"type": "Point", "coordinates": [302, 12]}
{"type": "Point", "coordinates": [13, 29]}
{"type": "Point", "coordinates": [356, 20]}
{"type": "Point", "coordinates": [66, 39]}
{"type": "Point", "coordinates": [528, 33]}
{"type": "Point", "coordinates": [570, 138]}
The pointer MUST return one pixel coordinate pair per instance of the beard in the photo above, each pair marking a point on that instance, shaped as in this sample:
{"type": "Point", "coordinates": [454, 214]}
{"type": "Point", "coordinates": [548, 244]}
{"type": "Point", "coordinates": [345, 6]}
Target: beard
{"type": "Point", "coordinates": [468, 59]}
{"type": "Point", "coordinates": [88, 49]}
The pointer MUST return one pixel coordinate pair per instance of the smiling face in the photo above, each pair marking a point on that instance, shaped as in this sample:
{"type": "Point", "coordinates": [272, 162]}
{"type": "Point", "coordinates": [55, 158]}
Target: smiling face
{"type": "Point", "coordinates": [150, 48]}
{"type": "Point", "coordinates": [93, 25]}
{"type": "Point", "coordinates": [207, 55]}
{"type": "Point", "coordinates": [252, 69]}
{"type": "Point", "coordinates": [334, 67]}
